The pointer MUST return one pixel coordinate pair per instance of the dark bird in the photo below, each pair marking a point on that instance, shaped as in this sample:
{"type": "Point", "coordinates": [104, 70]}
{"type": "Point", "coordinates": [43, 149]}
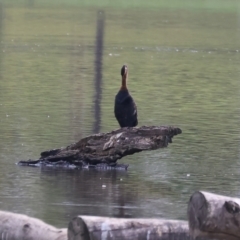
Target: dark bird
{"type": "Point", "coordinates": [125, 109]}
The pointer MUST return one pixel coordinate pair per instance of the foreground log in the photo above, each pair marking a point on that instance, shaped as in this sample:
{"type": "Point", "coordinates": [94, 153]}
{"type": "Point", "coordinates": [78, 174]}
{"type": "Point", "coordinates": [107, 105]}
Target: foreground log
{"type": "Point", "coordinates": [214, 216]}
{"type": "Point", "coordinates": [104, 149]}
{"type": "Point", "coordinates": [17, 226]}
{"type": "Point", "coordinates": [97, 228]}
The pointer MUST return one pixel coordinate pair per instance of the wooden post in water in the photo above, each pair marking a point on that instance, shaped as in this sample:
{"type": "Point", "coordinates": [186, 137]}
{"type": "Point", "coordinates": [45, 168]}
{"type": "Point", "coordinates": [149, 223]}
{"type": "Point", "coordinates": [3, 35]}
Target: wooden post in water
{"type": "Point", "coordinates": [98, 71]}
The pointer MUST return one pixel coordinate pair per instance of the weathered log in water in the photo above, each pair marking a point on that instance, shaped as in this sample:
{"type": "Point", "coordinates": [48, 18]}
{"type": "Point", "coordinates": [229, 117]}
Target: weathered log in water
{"type": "Point", "coordinates": [104, 149]}
{"type": "Point", "coordinates": [214, 216]}
{"type": "Point", "coordinates": [97, 228]}
{"type": "Point", "coordinates": [17, 226]}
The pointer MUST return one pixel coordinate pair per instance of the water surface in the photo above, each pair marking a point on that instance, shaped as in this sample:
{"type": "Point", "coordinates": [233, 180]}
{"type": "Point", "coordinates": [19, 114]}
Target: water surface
{"type": "Point", "coordinates": [183, 70]}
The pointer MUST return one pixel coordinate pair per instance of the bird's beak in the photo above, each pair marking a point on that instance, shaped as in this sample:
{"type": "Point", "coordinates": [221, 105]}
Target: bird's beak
{"type": "Point", "coordinates": [126, 71]}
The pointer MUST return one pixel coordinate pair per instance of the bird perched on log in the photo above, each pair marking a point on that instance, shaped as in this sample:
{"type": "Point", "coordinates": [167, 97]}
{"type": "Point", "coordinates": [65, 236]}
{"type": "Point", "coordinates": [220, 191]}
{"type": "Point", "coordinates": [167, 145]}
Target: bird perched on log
{"type": "Point", "coordinates": [125, 109]}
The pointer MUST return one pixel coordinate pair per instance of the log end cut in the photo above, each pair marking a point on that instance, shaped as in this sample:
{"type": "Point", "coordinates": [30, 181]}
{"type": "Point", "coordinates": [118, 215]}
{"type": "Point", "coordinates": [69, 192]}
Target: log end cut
{"type": "Point", "coordinates": [214, 216]}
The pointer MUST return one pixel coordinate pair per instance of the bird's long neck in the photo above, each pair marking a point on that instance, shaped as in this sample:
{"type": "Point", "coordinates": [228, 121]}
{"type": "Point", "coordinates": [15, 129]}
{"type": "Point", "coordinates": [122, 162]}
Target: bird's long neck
{"type": "Point", "coordinates": [124, 82]}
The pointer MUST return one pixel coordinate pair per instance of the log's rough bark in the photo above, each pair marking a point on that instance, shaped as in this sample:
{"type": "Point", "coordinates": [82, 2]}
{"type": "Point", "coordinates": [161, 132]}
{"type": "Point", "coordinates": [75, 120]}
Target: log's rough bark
{"type": "Point", "coordinates": [214, 216]}
{"type": "Point", "coordinates": [98, 228]}
{"type": "Point", "coordinates": [104, 149]}
{"type": "Point", "coordinates": [21, 227]}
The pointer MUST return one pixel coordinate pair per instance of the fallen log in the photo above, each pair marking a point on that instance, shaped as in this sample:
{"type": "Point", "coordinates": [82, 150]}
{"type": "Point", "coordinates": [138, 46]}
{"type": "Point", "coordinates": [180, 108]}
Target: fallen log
{"type": "Point", "coordinates": [17, 226]}
{"type": "Point", "coordinates": [214, 216]}
{"type": "Point", "coordinates": [104, 149]}
{"type": "Point", "coordinates": [97, 228]}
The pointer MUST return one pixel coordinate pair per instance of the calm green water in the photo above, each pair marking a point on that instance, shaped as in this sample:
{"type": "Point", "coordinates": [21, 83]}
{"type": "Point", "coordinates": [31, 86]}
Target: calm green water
{"type": "Point", "coordinates": [183, 64]}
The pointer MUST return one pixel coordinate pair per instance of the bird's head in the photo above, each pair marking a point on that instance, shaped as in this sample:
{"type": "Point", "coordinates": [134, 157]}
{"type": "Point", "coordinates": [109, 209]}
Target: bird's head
{"type": "Point", "coordinates": [124, 70]}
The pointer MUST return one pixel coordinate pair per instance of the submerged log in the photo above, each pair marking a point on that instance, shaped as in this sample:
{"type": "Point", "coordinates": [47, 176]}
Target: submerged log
{"type": "Point", "coordinates": [97, 228]}
{"type": "Point", "coordinates": [214, 216]}
{"type": "Point", "coordinates": [17, 226]}
{"type": "Point", "coordinates": [104, 149]}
